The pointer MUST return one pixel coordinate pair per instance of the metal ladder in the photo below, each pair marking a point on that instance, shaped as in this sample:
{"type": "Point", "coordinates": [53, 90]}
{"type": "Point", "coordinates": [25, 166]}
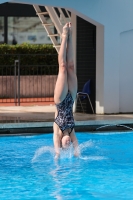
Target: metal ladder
{"type": "Point", "coordinates": [58, 17]}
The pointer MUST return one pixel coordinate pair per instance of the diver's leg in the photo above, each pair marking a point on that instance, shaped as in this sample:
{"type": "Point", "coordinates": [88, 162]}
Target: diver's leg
{"type": "Point", "coordinates": [61, 87]}
{"type": "Point", "coordinates": [72, 78]}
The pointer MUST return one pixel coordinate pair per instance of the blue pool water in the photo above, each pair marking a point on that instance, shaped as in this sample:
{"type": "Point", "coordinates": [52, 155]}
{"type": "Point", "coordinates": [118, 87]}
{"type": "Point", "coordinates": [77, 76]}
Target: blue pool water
{"type": "Point", "coordinates": [103, 171]}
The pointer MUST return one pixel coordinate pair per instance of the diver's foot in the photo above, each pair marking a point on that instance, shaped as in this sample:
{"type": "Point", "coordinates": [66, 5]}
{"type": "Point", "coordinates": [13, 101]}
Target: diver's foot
{"type": "Point", "coordinates": [70, 29]}
{"type": "Point", "coordinates": [65, 30]}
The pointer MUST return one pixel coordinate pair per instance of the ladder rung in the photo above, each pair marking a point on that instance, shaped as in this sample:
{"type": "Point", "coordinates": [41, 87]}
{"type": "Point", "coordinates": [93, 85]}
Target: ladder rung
{"type": "Point", "coordinates": [46, 24]}
{"type": "Point", "coordinates": [42, 13]}
{"type": "Point", "coordinates": [52, 35]}
{"type": "Point", "coordinates": [56, 45]}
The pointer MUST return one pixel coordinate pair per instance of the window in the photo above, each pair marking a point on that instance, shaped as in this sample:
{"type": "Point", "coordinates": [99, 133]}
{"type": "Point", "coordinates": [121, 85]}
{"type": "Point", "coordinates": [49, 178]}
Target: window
{"type": "Point", "coordinates": [1, 30]}
{"type": "Point", "coordinates": [27, 29]}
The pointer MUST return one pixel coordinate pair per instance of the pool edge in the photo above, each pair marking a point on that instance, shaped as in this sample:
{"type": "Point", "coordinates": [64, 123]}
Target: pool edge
{"type": "Point", "coordinates": [47, 127]}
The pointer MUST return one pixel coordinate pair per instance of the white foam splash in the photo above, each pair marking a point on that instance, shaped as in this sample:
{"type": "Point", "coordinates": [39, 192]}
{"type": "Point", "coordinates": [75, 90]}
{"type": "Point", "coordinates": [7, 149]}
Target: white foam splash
{"type": "Point", "coordinates": [87, 146]}
{"type": "Point", "coordinates": [68, 153]}
{"type": "Point", "coordinates": [41, 151]}
{"type": "Point", "coordinates": [91, 158]}
{"type": "Point", "coordinates": [84, 145]}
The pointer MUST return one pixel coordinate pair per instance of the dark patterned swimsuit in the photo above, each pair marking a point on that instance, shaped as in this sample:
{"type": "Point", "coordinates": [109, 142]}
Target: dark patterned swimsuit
{"type": "Point", "coordinates": [65, 118]}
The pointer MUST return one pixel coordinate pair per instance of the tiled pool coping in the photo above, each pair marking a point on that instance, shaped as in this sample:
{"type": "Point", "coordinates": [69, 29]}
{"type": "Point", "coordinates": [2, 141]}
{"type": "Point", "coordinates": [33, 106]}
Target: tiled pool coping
{"type": "Point", "coordinates": [47, 127]}
{"type": "Point", "coordinates": [39, 119]}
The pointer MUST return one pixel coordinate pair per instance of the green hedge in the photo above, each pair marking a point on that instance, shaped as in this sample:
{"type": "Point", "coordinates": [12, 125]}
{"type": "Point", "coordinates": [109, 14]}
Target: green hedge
{"type": "Point", "coordinates": [44, 55]}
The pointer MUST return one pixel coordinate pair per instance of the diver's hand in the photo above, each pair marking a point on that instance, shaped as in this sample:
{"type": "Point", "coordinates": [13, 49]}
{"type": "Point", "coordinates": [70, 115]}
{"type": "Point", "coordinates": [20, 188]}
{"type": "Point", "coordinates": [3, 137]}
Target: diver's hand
{"type": "Point", "coordinates": [76, 153]}
{"type": "Point", "coordinates": [57, 156]}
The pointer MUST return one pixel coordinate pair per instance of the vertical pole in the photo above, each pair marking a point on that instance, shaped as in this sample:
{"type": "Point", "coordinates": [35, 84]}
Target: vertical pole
{"type": "Point", "coordinates": [19, 80]}
{"type": "Point", "coordinates": [15, 88]}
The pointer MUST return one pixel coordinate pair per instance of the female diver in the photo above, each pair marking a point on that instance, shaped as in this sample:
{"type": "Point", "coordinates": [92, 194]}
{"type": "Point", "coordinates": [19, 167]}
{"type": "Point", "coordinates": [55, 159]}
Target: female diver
{"type": "Point", "coordinates": [64, 96]}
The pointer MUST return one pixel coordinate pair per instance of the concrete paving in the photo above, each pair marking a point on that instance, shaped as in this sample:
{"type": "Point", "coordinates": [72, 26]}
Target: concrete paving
{"type": "Point", "coordinates": [25, 120]}
{"type": "Point", "coordinates": [26, 114]}
{"type": "Point", "coordinates": [43, 116]}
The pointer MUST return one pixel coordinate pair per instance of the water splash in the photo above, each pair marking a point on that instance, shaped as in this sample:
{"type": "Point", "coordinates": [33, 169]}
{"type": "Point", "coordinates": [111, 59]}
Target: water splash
{"type": "Point", "coordinates": [42, 150]}
{"type": "Point", "coordinates": [92, 158]}
{"type": "Point", "coordinates": [90, 147]}
{"type": "Point", "coordinates": [88, 151]}
{"type": "Point", "coordinates": [67, 153]}
{"type": "Point", "coordinates": [86, 144]}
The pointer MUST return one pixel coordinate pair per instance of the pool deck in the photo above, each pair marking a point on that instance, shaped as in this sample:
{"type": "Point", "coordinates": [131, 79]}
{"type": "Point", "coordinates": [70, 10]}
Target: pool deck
{"type": "Point", "coordinates": [40, 119]}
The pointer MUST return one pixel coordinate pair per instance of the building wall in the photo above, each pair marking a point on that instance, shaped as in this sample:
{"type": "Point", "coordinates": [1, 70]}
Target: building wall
{"type": "Point", "coordinates": [112, 18]}
{"type": "Point", "coordinates": [126, 71]}
{"type": "Point", "coordinates": [116, 18]}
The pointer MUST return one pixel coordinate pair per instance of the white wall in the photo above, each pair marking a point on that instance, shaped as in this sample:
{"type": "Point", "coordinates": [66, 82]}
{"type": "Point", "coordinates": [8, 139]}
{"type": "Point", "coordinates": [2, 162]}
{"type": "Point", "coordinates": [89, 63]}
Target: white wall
{"type": "Point", "coordinates": [112, 17]}
{"type": "Point", "coordinates": [126, 71]}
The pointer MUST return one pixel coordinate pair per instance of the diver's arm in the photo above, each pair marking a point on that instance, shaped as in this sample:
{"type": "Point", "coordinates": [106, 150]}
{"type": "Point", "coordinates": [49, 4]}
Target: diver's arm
{"type": "Point", "coordinates": [56, 140]}
{"type": "Point", "coordinates": [75, 143]}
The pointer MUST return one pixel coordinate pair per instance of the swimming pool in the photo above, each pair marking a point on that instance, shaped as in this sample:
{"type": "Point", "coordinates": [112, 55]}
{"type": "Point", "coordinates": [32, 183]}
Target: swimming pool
{"type": "Point", "coordinates": [103, 171]}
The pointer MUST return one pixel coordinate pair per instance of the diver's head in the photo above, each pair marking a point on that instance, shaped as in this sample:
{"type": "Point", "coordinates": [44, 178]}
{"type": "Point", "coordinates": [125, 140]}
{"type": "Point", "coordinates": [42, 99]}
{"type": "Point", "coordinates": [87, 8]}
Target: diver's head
{"type": "Point", "coordinates": [66, 141]}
